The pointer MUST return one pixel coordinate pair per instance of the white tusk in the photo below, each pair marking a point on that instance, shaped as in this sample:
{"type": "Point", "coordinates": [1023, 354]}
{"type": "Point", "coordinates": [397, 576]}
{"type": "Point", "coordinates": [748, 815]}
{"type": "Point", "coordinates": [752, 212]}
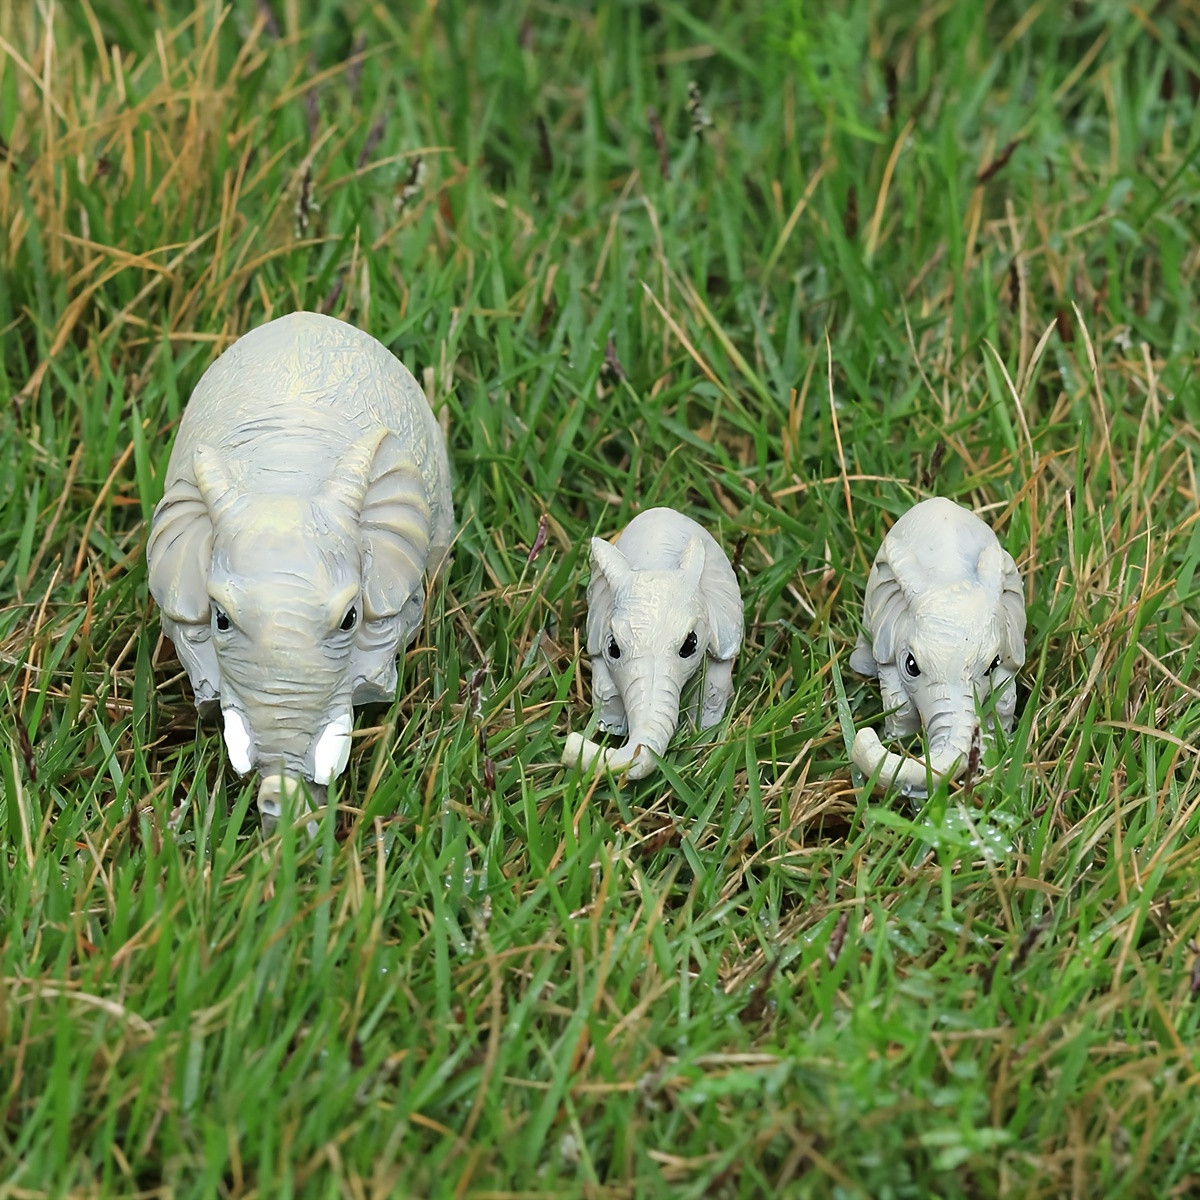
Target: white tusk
{"type": "Point", "coordinates": [237, 741]}
{"type": "Point", "coordinates": [582, 752]}
{"type": "Point", "coordinates": [333, 749]}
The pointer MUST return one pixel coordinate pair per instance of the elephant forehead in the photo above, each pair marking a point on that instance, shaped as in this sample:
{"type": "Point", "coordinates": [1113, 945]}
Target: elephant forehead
{"type": "Point", "coordinates": [964, 601]}
{"type": "Point", "coordinates": [283, 589]}
{"type": "Point", "coordinates": [295, 614]}
{"type": "Point", "coordinates": [653, 602]}
{"type": "Point", "coordinates": [662, 590]}
{"type": "Point", "coordinates": [286, 538]}
{"type": "Point", "coordinates": [956, 626]}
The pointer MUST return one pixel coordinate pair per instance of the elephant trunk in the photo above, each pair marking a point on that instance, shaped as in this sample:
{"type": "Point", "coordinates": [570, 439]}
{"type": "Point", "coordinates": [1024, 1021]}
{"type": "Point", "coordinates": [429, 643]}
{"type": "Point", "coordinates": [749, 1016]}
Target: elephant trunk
{"type": "Point", "coordinates": [292, 730]}
{"type": "Point", "coordinates": [286, 721]}
{"type": "Point", "coordinates": [652, 705]}
{"type": "Point", "coordinates": [280, 794]}
{"type": "Point", "coordinates": [950, 732]}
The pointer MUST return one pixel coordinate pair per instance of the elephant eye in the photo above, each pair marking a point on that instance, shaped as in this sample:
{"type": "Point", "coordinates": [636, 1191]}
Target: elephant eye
{"type": "Point", "coordinates": [910, 666]}
{"type": "Point", "coordinates": [689, 645]}
{"type": "Point", "coordinates": [349, 620]}
{"type": "Point", "coordinates": [995, 664]}
{"type": "Point", "coordinates": [223, 622]}
{"type": "Point", "coordinates": [612, 649]}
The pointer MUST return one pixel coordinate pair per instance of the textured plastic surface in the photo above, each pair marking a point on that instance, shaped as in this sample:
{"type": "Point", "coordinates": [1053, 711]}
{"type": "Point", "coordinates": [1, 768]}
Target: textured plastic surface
{"type": "Point", "coordinates": [663, 603]}
{"type": "Point", "coordinates": [306, 497]}
{"type": "Point", "coordinates": [945, 598]}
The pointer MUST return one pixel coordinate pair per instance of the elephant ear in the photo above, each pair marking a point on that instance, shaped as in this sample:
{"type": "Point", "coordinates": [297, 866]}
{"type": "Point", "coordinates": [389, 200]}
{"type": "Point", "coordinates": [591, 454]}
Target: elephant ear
{"type": "Point", "coordinates": [885, 615]}
{"type": "Point", "coordinates": [194, 648]}
{"type": "Point", "coordinates": [608, 561]}
{"type": "Point", "coordinates": [1012, 613]}
{"type": "Point", "coordinates": [999, 575]}
{"type": "Point", "coordinates": [610, 571]}
{"type": "Point", "coordinates": [384, 490]}
{"type": "Point", "coordinates": [724, 607]}
{"type": "Point", "coordinates": [179, 549]}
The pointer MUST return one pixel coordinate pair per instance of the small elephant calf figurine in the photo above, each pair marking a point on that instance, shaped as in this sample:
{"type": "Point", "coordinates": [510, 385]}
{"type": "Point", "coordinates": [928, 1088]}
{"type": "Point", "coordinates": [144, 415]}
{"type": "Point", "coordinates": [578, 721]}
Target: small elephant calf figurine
{"type": "Point", "coordinates": [662, 602]}
{"type": "Point", "coordinates": [945, 627]}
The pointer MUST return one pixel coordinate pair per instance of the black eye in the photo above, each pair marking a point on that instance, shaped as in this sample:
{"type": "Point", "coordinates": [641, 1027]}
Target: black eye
{"type": "Point", "coordinates": [612, 649]}
{"type": "Point", "coordinates": [349, 620]}
{"type": "Point", "coordinates": [689, 645]}
{"type": "Point", "coordinates": [910, 666]}
{"type": "Point", "coordinates": [223, 622]}
{"type": "Point", "coordinates": [995, 664]}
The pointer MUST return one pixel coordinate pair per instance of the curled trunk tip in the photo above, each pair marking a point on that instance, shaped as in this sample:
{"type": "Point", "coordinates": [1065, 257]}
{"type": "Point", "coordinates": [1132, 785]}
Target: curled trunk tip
{"type": "Point", "coordinates": [631, 759]}
{"type": "Point", "coordinates": [910, 776]}
{"type": "Point", "coordinates": [284, 797]}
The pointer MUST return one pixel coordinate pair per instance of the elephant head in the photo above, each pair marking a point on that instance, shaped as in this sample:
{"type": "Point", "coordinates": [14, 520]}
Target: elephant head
{"type": "Point", "coordinates": [287, 609]}
{"type": "Point", "coordinates": [944, 621]}
{"type": "Point", "coordinates": [662, 603]}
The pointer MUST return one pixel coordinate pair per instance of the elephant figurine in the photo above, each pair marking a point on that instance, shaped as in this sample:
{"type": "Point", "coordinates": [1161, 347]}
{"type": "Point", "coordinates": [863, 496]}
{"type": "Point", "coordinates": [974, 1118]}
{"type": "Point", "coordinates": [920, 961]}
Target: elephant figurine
{"type": "Point", "coordinates": [306, 496]}
{"type": "Point", "coordinates": [944, 619]}
{"type": "Point", "coordinates": [663, 601]}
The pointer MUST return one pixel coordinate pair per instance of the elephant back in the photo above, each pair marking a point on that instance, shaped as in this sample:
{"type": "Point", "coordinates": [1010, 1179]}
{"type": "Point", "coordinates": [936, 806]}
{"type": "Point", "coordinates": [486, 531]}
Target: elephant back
{"type": "Point", "coordinates": [284, 402]}
{"type": "Point", "coordinates": [935, 544]}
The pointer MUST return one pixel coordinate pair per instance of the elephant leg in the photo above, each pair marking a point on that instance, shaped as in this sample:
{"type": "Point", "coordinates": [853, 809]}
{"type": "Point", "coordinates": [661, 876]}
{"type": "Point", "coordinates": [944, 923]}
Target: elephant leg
{"type": "Point", "coordinates": [903, 719]}
{"type": "Point", "coordinates": [1006, 700]}
{"type": "Point", "coordinates": [194, 649]}
{"type": "Point", "coordinates": [373, 660]}
{"type": "Point", "coordinates": [610, 707]}
{"type": "Point", "coordinates": [718, 691]}
{"type": "Point", "coordinates": [690, 712]}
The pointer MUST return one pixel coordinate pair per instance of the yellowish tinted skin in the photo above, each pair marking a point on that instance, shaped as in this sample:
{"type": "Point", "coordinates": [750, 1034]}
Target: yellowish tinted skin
{"type": "Point", "coordinates": [306, 499]}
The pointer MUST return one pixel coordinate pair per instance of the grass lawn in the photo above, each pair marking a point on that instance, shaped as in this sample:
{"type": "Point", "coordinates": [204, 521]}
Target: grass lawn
{"type": "Point", "coordinates": [877, 252]}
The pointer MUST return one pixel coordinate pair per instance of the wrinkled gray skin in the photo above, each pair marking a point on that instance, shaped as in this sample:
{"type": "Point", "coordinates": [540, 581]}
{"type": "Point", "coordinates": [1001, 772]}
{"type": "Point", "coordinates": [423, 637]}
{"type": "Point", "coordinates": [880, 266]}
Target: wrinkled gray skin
{"type": "Point", "coordinates": [662, 603]}
{"type": "Point", "coordinates": [944, 625]}
{"type": "Point", "coordinates": [307, 494]}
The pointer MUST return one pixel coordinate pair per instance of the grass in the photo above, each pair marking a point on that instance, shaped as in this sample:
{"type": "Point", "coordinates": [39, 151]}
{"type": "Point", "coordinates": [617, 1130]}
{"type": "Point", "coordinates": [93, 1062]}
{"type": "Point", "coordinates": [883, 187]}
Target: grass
{"type": "Point", "coordinates": [916, 249]}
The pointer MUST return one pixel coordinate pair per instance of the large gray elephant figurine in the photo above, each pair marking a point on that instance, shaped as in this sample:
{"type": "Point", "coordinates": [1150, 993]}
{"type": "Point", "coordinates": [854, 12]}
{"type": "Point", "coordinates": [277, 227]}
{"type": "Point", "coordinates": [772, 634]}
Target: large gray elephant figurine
{"type": "Point", "coordinates": [944, 627]}
{"type": "Point", "coordinates": [663, 602]}
{"type": "Point", "coordinates": [306, 497]}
